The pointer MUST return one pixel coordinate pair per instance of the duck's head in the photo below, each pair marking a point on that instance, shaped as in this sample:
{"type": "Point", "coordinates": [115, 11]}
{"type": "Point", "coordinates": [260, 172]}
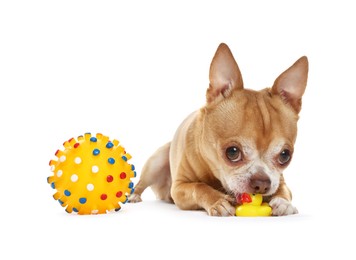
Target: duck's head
{"type": "Point", "coordinates": [251, 199]}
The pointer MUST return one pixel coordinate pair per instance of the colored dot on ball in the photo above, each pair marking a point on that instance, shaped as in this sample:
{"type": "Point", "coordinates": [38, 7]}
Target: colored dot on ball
{"type": "Point", "coordinates": [119, 194]}
{"type": "Point", "coordinates": [82, 200]}
{"type": "Point", "coordinates": [75, 209]}
{"type": "Point", "coordinates": [93, 139]}
{"type": "Point", "coordinates": [103, 196]}
{"type": "Point", "coordinates": [123, 175]}
{"type": "Point", "coordinates": [62, 158]}
{"type": "Point", "coordinates": [59, 173]}
{"type": "Point", "coordinates": [77, 160]}
{"type": "Point", "coordinates": [53, 185]}
{"type": "Point", "coordinates": [90, 187]}
{"type": "Point", "coordinates": [94, 169]}
{"type": "Point", "coordinates": [109, 178]}
{"type": "Point", "coordinates": [74, 178]}
{"type": "Point", "coordinates": [132, 167]}
{"type": "Point", "coordinates": [96, 151]}
{"type": "Point", "coordinates": [76, 145]}
{"type": "Point", "coordinates": [111, 160]}
{"type": "Point", "coordinates": [124, 158]}
{"type": "Point", "coordinates": [67, 193]}
{"type": "Point", "coordinates": [109, 145]}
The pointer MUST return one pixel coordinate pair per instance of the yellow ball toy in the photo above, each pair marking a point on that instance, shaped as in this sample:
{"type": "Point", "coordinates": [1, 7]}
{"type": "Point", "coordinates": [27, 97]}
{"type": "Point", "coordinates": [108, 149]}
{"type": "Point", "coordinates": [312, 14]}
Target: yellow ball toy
{"type": "Point", "coordinates": [91, 175]}
{"type": "Point", "coordinates": [253, 206]}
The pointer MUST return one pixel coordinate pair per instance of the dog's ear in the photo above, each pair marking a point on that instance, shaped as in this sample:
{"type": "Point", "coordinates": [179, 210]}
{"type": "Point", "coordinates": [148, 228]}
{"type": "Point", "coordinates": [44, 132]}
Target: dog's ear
{"type": "Point", "coordinates": [224, 75]}
{"type": "Point", "coordinates": [290, 85]}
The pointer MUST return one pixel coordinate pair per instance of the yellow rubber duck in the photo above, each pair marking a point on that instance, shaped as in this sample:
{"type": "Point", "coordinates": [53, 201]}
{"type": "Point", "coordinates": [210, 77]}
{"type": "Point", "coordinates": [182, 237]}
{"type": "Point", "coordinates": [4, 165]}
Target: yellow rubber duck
{"type": "Point", "coordinates": [252, 206]}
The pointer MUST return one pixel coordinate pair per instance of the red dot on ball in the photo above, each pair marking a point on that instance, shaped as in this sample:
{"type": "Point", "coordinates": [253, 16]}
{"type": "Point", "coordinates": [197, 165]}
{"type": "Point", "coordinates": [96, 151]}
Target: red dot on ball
{"type": "Point", "coordinates": [119, 194]}
{"type": "Point", "coordinates": [76, 145]}
{"type": "Point", "coordinates": [103, 196]}
{"type": "Point", "coordinates": [122, 175]}
{"type": "Point", "coordinates": [109, 178]}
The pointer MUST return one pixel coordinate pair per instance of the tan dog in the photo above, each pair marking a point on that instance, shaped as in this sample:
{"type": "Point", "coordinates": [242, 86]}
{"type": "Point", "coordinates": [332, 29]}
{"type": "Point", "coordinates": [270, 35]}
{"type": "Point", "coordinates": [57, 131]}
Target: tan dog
{"type": "Point", "coordinates": [240, 141]}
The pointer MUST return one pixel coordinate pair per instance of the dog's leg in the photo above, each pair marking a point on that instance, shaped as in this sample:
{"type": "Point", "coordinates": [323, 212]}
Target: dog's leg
{"type": "Point", "coordinates": [198, 195]}
{"type": "Point", "coordinates": [155, 173]}
{"type": "Point", "coordinates": [281, 201]}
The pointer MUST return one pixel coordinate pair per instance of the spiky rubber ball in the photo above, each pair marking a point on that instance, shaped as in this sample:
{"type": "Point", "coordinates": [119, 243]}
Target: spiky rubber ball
{"type": "Point", "coordinates": [91, 175]}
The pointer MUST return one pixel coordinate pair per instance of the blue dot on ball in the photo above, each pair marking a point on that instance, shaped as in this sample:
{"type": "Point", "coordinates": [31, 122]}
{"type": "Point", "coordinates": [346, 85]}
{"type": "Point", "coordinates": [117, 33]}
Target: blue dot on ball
{"type": "Point", "coordinates": [82, 200]}
{"type": "Point", "coordinates": [96, 151]}
{"type": "Point", "coordinates": [67, 193]}
{"type": "Point", "coordinates": [111, 160]}
{"type": "Point", "coordinates": [109, 145]}
{"type": "Point", "coordinates": [93, 139]}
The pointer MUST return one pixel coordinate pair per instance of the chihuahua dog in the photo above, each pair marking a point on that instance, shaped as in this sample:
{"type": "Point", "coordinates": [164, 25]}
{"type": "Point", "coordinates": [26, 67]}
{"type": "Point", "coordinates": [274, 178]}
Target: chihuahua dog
{"type": "Point", "coordinates": [239, 142]}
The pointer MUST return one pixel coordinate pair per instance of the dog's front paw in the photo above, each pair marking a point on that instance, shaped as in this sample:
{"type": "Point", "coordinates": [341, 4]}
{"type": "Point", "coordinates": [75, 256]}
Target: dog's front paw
{"type": "Point", "coordinates": [221, 208]}
{"type": "Point", "coordinates": [282, 207]}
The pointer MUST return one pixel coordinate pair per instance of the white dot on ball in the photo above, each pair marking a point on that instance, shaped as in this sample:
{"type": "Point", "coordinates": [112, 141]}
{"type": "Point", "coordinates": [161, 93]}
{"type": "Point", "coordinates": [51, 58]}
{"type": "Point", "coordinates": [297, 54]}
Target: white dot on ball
{"type": "Point", "coordinates": [74, 178]}
{"type": "Point", "coordinates": [90, 187]}
{"type": "Point", "coordinates": [94, 211]}
{"type": "Point", "coordinates": [94, 169]}
{"type": "Point", "coordinates": [62, 158]}
{"type": "Point", "coordinates": [59, 173]}
{"type": "Point", "coordinates": [77, 160]}
{"type": "Point", "coordinates": [53, 168]}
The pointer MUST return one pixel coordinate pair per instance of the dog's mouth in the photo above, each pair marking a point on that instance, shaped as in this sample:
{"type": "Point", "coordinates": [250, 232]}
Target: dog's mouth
{"type": "Point", "coordinates": [238, 198]}
{"type": "Point", "coordinates": [240, 186]}
{"type": "Point", "coordinates": [246, 197]}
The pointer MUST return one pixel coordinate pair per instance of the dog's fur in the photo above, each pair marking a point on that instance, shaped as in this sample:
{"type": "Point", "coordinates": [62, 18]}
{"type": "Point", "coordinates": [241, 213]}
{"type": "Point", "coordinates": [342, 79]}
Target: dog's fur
{"type": "Point", "coordinates": [240, 141]}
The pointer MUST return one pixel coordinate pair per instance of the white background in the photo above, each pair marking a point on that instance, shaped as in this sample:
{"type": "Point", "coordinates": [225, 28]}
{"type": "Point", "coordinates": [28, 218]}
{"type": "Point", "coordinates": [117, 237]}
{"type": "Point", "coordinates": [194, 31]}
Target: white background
{"type": "Point", "coordinates": [133, 70]}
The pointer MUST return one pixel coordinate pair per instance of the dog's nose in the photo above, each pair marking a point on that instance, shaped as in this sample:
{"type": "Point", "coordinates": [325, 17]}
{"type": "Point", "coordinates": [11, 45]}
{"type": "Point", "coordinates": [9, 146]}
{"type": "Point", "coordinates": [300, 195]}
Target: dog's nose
{"type": "Point", "coordinates": [260, 183]}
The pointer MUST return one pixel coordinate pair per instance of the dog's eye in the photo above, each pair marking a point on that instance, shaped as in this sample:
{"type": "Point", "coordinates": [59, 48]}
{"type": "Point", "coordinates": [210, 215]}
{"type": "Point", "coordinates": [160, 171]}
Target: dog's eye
{"type": "Point", "coordinates": [233, 154]}
{"type": "Point", "coordinates": [284, 157]}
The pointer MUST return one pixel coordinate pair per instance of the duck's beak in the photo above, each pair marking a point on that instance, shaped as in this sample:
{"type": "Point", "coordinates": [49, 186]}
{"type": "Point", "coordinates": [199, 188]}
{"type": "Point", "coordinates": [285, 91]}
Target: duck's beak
{"type": "Point", "coordinates": [243, 198]}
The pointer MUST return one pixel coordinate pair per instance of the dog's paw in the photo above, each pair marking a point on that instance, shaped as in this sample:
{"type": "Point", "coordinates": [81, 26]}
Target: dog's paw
{"type": "Point", "coordinates": [282, 207]}
{"type": "Point", "coordinates": [133, 198]}
{"type": "Point", "coordinates": [221, 208]}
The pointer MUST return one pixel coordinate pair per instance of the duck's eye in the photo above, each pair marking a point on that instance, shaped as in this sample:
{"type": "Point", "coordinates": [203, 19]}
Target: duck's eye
{"type": "Point", "coordinates": [284, 157]}
{"type": "Point", "coordinates": [233, 153]}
